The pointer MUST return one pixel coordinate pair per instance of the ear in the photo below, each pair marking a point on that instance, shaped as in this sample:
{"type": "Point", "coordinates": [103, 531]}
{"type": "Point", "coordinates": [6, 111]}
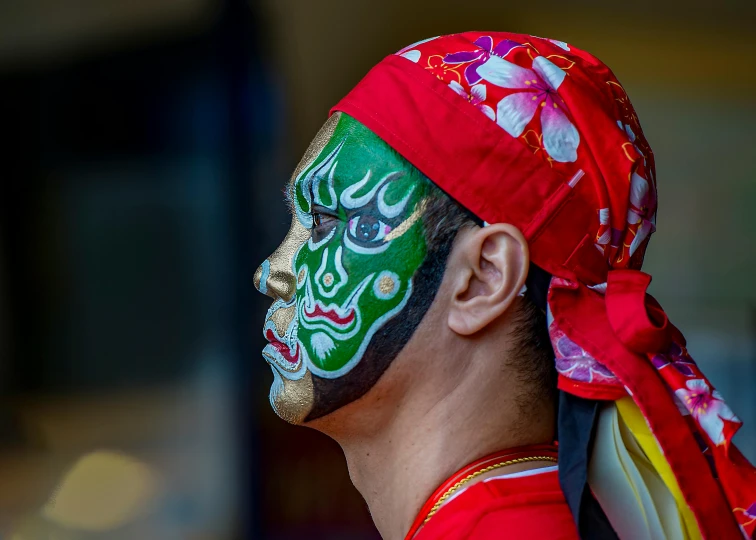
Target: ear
{"type": "Point", "coordinates": [489, 266]}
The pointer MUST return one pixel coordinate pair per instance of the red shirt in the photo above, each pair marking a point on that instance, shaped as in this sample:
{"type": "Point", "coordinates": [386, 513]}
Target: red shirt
{"type": "Point", "coordinates": [528, 505]}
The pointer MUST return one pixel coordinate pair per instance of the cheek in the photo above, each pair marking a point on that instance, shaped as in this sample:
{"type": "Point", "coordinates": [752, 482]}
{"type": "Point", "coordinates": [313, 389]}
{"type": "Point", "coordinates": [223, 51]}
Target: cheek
{"type": "Point", "coordinates": [302, 271]}
{"type": "Point", "coordinates": [306, 262]}
{"type": "Point", "coordinates": [393, 268]}
{"type": "Point", "coordinates": [386, 285]}
{"type": "Point", "coordinates": [392, 272]}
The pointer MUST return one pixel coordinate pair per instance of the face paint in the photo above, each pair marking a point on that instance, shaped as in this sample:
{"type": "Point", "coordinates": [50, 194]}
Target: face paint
{"type": "Point", "coordinates": [355, 245]}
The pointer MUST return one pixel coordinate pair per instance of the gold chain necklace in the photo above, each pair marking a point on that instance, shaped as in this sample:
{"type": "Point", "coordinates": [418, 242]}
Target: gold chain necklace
{"type": "Point", "coordinates": [449, 492]}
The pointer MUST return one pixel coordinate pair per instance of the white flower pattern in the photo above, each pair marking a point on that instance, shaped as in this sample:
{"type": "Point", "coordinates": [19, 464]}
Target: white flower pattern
{"type": "Point", "coordinates": [537, 88]}
{"type": "Point", "coordinates": [476, 97]}
{"type": "Point", "coordinates": [707, 407]}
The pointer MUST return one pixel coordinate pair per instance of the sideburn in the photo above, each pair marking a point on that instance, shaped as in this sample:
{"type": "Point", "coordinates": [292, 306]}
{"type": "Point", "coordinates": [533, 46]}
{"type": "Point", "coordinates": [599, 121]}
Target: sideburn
{"type": "Point", "coordinates": [388, 341]}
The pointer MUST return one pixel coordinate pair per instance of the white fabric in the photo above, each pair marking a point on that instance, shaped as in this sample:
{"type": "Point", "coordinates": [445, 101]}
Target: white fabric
{"type": "Point", "coordinates": [633, 496]}
{"type": "Point", "coordinates": [520, 474]}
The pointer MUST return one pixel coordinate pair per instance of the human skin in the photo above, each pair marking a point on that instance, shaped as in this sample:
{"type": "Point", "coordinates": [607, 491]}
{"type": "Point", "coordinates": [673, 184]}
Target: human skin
{"type": "Point", "coordinates": [431, 390]}
{"type": "Point", "coordinates": [343, 272]}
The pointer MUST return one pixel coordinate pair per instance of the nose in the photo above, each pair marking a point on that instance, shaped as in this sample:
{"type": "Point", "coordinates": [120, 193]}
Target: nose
{"type": "Point", "coordinates": [275, 276]}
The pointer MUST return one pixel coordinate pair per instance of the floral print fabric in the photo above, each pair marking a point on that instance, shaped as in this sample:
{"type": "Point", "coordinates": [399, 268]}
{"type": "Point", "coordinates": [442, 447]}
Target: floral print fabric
{"type": "Point", "coordinates": [531, 89]}
{"type": "Point", "coordinates": [526, 86]}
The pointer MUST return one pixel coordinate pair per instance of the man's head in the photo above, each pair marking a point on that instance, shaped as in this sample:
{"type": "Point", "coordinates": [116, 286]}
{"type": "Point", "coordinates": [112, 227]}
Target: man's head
{"type": "Point", "coordinates": [385, 285]}
{"type": "Point", "coordinates": [370, 243]}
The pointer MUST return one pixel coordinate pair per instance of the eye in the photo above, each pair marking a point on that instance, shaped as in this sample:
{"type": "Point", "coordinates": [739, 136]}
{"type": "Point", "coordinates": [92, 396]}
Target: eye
{"type": "Point", "coordinates": [322, 220]}
{"type": "Point", "coordinates": [322, 225]}
{"type": "Point", "coordinates": [367, 228]}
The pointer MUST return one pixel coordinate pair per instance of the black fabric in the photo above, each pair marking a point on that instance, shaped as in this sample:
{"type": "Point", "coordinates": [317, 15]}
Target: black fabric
{"type": "Point", "coordinates": [575, 429]}
{"type": "Point", "coordinates": [538, 282]}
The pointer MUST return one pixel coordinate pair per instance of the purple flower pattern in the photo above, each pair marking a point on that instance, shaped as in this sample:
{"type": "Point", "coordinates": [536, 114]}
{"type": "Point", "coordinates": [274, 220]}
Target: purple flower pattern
{"type": "Point", "coordinates": [678, 358]}
{"type": "Point", "coordinates": [573, 362]}
{"type": "Point", "coordinates": [751, 511]}
{"type": "Point", "coordinates": [479, 57]}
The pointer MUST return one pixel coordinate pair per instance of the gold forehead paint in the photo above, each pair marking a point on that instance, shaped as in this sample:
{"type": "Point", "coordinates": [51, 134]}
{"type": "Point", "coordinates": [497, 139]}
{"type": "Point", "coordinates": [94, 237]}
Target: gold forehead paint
{"type": "Point", "coordinates": [280, 282]}
{"type": "Point", "coordinates": [318, 143]}
{"type": "Point", "coordinates": [294, 400]}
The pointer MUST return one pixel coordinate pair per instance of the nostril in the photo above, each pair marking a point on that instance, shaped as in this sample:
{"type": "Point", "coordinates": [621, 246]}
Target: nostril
{"type": "Point", "coordinates": [280, 284]}
{"type": "Point", "coordinates": [261, 277]}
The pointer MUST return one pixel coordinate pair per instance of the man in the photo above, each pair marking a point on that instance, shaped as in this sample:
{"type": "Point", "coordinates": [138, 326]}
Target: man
{"type": "Point", "coordinates": [474, 213]}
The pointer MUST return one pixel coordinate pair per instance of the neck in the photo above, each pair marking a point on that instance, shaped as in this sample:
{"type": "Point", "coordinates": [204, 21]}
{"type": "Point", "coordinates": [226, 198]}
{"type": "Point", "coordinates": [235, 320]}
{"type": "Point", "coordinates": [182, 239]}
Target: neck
{"type": "Point", "coordinates": [420, 434]}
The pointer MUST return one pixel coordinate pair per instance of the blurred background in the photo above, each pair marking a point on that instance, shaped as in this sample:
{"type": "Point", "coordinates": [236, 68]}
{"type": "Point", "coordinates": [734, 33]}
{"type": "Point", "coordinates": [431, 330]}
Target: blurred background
{"type": "Point", "coordinates": [147, 144]}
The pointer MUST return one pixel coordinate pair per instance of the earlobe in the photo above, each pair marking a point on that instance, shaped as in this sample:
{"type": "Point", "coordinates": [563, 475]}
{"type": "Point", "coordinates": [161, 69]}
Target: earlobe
{"type": "Point", "coordinates": [489, 267]}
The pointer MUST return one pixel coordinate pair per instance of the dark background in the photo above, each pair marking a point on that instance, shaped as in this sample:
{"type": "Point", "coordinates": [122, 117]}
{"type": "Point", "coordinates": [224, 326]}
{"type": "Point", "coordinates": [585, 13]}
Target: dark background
{"type": "Point", "coordinates": [147, 143]}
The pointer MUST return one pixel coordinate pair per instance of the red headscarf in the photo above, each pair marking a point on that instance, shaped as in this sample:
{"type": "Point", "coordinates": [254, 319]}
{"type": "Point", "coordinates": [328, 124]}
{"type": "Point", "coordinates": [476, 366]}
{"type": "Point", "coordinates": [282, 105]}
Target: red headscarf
{"type": "Point", "coordinates": [539, 134]}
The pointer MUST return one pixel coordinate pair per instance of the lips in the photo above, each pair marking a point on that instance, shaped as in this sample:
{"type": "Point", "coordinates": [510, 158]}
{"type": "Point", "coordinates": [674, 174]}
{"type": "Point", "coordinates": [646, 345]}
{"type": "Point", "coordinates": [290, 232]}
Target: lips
{"type": "Point", "coordinates": [331, 315]}
{"type": "Point", "coordinates": [282, 348]}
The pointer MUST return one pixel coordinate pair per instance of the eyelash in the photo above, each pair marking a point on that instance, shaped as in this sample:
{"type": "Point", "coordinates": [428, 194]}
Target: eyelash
{"type": "Point", "coordinates": [317, 220]}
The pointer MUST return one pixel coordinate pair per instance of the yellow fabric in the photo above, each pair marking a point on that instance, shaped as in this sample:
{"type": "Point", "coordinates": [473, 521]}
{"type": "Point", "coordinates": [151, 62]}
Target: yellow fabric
{"type": "Point", "coordinates": [633, 482]}
{"type": "Point", "coordinates": [636, 502]}
{"type": "Point", "coordinates": [633, 419]}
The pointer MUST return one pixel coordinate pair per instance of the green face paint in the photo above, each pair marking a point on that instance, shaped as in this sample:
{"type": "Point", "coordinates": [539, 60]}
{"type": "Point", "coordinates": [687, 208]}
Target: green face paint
{"type": "Point", "coordinates": [363, 203]}
{"type": "Point", "coordinates": [354, 259]}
